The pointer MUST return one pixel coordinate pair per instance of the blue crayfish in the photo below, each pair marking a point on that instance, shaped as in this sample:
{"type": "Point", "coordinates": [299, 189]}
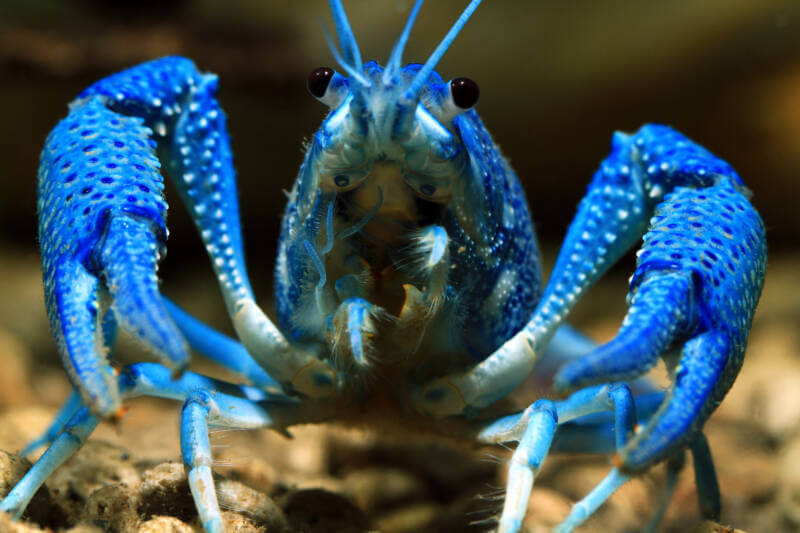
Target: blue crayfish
{"type": "Point", "coordinates": [407, 282]}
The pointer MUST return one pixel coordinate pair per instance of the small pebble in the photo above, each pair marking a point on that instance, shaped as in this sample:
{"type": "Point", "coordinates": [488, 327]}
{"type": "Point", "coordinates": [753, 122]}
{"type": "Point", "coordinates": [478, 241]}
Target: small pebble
{"type": "Point", "coordinates": [115, 507]}
{"type": "Point", "coordinates": [255, 505]}
{"type": "Point", "coordinates": [164, 524]}
{"type": "Point", "coordinates": [165, 491]}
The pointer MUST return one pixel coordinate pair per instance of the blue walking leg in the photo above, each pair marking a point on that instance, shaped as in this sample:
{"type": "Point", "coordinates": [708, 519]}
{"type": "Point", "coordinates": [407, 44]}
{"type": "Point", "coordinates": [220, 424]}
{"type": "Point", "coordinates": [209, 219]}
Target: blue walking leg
{"type": "Point", "coordinates": [582, 510]}
{"type": "Point", "coordinates": [200, 409]}
{"type": "Point", "coordinates": [238, 406]}
{"type": "Point", "coordinates": [196, 452]}
{"type": "Point", "coordinates": [209, 402]}
{"type": "Point", "coordinates": [596, 433]}
{"type": "Point", "coordinates": [63, 416]}
{"type": "Point", "coordinates": [74, 434]}
{"type": "Point", "coordinates": [705, 476]}
{"type": "Point", "coordinates": [535, 429]}
{"type": "Point", "coordinates": [619, 398]}
{"type": "Point", "coordinates": [537, 425]}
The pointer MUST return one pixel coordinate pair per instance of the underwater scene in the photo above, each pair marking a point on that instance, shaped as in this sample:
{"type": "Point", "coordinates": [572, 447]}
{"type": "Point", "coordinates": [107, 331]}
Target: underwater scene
{"type": "Point", "coordinates": [408, 364]}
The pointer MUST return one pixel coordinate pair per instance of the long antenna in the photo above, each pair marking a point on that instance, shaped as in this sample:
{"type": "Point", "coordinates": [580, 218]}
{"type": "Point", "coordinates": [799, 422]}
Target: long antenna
{"type": "Point", "coordinates": [346, 38]}
{"type": "Point", "coordinates": [393, 65]}
{"type": "Point", "coordinates": [437, 54]}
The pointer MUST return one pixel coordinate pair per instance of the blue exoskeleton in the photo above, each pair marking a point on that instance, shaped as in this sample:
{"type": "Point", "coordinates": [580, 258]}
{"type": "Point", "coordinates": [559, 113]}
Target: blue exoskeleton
{"type": "Point", "coordinates": [407, 282]}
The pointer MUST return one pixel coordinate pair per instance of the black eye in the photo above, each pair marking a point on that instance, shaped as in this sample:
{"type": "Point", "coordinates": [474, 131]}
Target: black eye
{"type": "Point", "coordinates": [465, 92]}
{"type": "Point", "coordinates": [427, 189]}
{"type": "Point", "coordinates": [318, 81]}
{"type": "Point", "coordinates": [341, 180]}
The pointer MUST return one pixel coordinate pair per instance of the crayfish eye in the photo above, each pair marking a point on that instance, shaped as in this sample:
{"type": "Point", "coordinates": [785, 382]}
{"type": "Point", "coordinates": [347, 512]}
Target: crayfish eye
{"type": "Point", "coordinates": [318, 81]}
{"type": "Point", "coordinates": [465, 92]}
{"type": "Point", "coordinates": [341, 180]}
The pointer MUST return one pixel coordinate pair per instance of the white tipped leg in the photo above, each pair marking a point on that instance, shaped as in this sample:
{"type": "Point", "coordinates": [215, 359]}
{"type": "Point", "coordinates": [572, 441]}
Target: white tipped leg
{"type": "Point", "coordinates": [535, 429]}
{"type": "Point", "coordinates": [539, 423]}
{"type": "Point", "coordinates": [587, 506]}
{"type": "Point", "coordinates": [74, 434]}
{"type": "Point", "coordinates": [196, 450]}
{"type": "Point", "coordinates": [201, 409]}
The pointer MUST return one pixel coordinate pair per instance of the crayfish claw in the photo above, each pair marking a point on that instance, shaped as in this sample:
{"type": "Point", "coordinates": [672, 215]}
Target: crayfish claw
{"type": "Point", "coordinates": [73, 308]}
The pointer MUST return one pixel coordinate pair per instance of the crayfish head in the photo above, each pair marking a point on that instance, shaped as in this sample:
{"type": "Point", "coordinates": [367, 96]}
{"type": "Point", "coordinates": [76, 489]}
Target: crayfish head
{"type": "Point", "coordinates": [367, 244]}
{"type": "Point", "coordinates": [401, 114]}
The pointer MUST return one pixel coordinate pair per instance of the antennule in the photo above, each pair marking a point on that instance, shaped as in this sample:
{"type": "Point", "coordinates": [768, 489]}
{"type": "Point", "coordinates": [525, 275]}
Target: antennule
{"type": "Point", "coordinates": [396, 57]}
{"type": "Point", "coordinates": [347, 40]}
{"type": "Point", "coordinates": [352, 71]}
